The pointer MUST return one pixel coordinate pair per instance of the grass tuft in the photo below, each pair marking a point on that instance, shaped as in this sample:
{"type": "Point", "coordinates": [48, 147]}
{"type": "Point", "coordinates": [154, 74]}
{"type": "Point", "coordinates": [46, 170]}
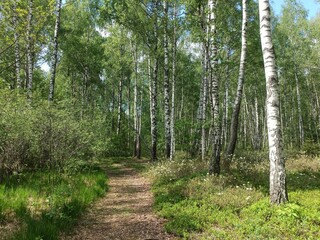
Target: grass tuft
{"type": "Point", "coordinates": [46, 203]}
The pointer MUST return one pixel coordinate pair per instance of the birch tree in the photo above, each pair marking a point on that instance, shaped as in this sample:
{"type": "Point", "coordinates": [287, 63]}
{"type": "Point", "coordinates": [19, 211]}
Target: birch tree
{"type": "Point", "coordinates": [55, 51]}
{"type": "Point", "coordinates": [136, 116]}
{"type": "Point", "coordinates": [174, 67]}
{"type": "Point", "coordinates": [29, 50]}
{"type": "Point", "coordinates": [278, 190]}
{"type": "Point", "coordinates": [16, 45]}
{"type": "Point", "coordinates": [237, 103]}
{"type": "Point", "coordinates": [214, 167]}
{"type": "Point", "coordinates": [166, 82]}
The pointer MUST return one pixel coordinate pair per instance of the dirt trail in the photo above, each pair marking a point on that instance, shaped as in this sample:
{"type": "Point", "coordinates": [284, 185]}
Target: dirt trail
{"type": "Point", "coordinates": [125, 213]}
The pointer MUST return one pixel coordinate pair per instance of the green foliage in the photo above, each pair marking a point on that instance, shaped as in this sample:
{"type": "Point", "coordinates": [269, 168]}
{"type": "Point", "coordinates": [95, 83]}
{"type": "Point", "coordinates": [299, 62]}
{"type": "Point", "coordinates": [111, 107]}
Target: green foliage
{"type": "Point", "coordinates": [48, 202]}
{"type": "Point", "coordinates": [235, 205]}
{"type": "Point", "coordinates": [43, 136]}
{"type": "Point", "coordinates": [311, 148]}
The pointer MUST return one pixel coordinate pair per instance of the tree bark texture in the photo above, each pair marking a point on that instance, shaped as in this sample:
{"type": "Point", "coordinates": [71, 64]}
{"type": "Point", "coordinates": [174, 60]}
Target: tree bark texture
{"type": "Point", "coordinates": [166, 82]}
{"type": "Point", "coordinates": [214, 167]}
{"type": "Point", "coordinates": [16, 46]}
{"type": "Point", "coordinates": [278, 190]}
{"type": "Point", "coordinates": [29, 50]}
{"type": "Point", "coordinates": [120, 87]}
{"type": "Point", "coordinates": [174, 67]}
{"type": "Point", "coordinates": [55, 52]}
{"type": "Point", "coordinates": [137, 146]}
{"type": "Point", "coordinates": [301, 131]}
{"type": "Point", "coordinates": [237, 103]}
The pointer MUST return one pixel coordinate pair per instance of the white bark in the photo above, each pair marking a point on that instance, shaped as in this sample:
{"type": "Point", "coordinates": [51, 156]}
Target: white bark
{"type": "Point", "coordinates": [204, 83]}
{"type": "Point", "coordinates": [257, 138]}
{"type": "Point", "coordinates": [278, 191]}
{"type": "Point", "coordinates": [301, 131]}
{"type": "Point", "coordinates": [214, 167]}
{"type": "Point", "coordinates": [29, 50]}
{"type": "Point", "coordinates": [137, 145]}
{"type": "Point", "coordinates": [174, 67]}
{"type": "Point", "coordinates": [16, 45]}
{"type": "Point", "coordinates": [153, 105]}
{"type": "Point", "coordinates": [55, 52]}
{"type": "Point", "coordinates": [237, 103]}
{"type": "Point", "coordinates": [120, 87]}
{"type": "Point", "coordinates": [166, 82]}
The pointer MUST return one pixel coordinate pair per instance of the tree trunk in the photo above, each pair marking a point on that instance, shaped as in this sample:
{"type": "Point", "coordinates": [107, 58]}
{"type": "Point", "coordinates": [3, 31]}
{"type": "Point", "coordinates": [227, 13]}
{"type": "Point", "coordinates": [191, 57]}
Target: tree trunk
{"type": "Point", "coordinates": [137, 147]}
{"type": "Point", "coordinates": [29, 51]}
{"type": "Point", "coordinates": [204, 102]}
{"type": "Point", "coordinates": [153, 105]}
{"type": "Point", "coordinates": [225, 128]}
{"type": "Point", "coordinates": [120, 87]}
{"type": "Point", "coordinates": [237, 103]}
{"type": "Point", "coordinates": [257, 138]}
{"type": "Point", "coordinates": [16, 45]}
{"type": "Point", "coordinates": [278, 190]}
{"type": "Point", "coordinates": [166, 82]}
{"type": "Point", "coordinates": [174, 67]}
{"type": "Point", "coordinates": [214, 167]}
{"type": "Point", "coordinates": [55, 52]}
{"type": "Point", "coordinates": [301, 131]}
{"type": "Point", "coordinates": [112, 110]}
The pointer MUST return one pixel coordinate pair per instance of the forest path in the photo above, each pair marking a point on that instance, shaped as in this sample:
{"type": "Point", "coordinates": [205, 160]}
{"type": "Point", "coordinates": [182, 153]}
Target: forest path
{"type": "Point", "coordinates": [125, 212]}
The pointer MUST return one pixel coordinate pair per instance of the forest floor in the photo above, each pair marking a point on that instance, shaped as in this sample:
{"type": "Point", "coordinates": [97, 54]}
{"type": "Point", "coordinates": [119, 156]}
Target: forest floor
{"type": "Point", "coordinates": [125, 212]}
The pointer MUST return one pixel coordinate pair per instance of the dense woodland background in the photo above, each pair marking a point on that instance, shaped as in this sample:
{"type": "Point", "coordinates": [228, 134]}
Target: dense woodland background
{"type": "Point", "coordinates": [106, 57]}
{"type": "Point", "coordinates": [86, 79]}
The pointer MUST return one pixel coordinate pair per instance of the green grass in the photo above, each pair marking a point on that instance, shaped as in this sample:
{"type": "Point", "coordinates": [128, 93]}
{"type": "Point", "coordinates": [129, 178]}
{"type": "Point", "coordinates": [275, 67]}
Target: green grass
{"type": "Point", "coordinates": [46, 203]}
{"type": "Point", "coordinates": [236, 205]}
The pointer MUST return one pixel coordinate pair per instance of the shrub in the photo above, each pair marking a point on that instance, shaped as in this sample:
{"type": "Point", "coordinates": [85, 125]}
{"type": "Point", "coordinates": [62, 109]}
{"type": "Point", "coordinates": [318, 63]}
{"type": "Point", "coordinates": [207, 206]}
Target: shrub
{"type": "Point", "coordinates": [42, 136]}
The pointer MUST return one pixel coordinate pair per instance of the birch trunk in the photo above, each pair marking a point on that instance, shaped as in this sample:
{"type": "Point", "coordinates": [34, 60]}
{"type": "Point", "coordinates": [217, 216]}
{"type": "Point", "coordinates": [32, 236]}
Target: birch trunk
{"type": "Point", "coordinates": [301, 131]}
{"type": "Point", "coordinates": [214, 167]}
{"type": "Point", "coordinates": [257, 138]}
{"type": "Point", "coordinates": [137, 146]}
{"type": "Point", "coordinates": [153, 105]}
{"type": "Point", "coordinates": [204, 84]}
{"type": "Point", "coordinates": [16, 46]}
{"type": "Point", "coordinates": [154, 123]}
{"type": "Point", "coordinates": [237, 103]}
{"type": "Point", "coordinates": [120, 87]}
{"type": "Point", "coordinates": [225, 129]}
{"type": "Point", "coordinates": [55, 52]}
{"type": "Point", "coordinates": [174, 66]}
{"type": "Point", "coordinates": [166, 82]}
{"type": "Point", "coordinates": [278, 190]}
{"type": "Point", "coordinates": [29, 50]}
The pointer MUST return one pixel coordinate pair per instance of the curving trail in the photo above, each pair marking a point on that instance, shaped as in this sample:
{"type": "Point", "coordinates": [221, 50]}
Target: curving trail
{"type": "Point", "coordinates": [124, 213]}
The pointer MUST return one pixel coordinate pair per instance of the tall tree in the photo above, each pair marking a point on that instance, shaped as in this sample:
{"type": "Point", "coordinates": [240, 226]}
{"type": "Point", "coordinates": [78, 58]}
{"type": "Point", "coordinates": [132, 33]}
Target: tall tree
{"type": "Point", "coordinates": [154, 83]}
{"type": "Point", "coordinates": [237, 102]}
{"type": "Point", "coordinates": [166, 81]}
{"type": "Point", "coordinates": [278, 190]}
{"type": "Point", "coordinates": [136, 115]}
{"type": "Point", "coordinates": [214, 167]}
{"type": "Point", "coordinates": [16, 45]}
{"type": "Point", "coordinates": [29, 50]}
{"type": "Point", "coordinates": [55, 51]}
{"type": "Point", "coordinates": [174, 68]}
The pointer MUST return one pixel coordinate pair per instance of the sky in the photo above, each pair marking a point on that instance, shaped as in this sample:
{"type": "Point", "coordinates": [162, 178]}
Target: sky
{"type": "Point", "coordinates": [311, 5]}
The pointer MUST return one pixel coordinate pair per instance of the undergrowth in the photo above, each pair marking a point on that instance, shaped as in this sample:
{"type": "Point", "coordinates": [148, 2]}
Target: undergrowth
{"type": "Point", "coordinates": [235, 205]}
{"type": "Point", "coordinates": [45, 203]}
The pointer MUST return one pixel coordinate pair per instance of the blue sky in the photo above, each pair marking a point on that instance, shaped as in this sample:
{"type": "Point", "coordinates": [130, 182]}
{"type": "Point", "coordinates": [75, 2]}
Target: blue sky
{"type": "Point", "coordinates": [310, 5]}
